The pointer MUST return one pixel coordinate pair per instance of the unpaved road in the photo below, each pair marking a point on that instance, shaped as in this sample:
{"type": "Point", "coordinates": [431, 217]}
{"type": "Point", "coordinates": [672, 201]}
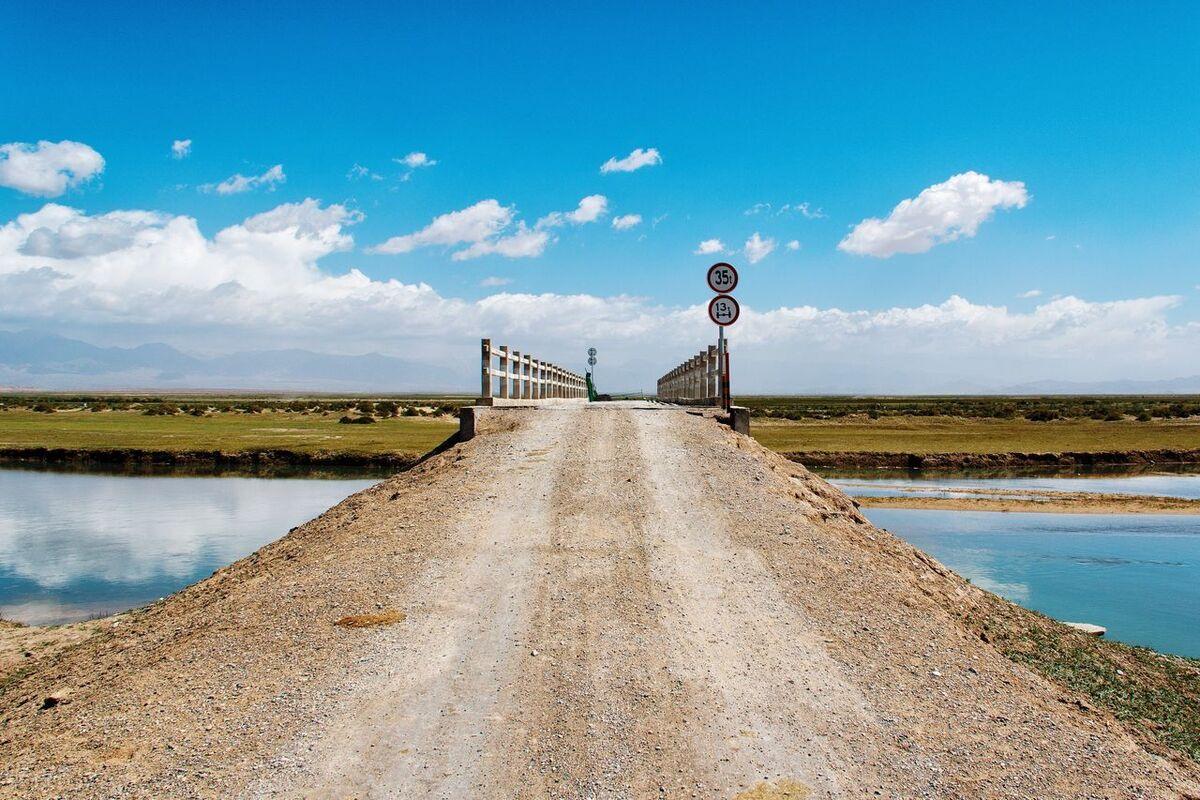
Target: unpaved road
{"type": "Point", "coordinates": [614, 600]}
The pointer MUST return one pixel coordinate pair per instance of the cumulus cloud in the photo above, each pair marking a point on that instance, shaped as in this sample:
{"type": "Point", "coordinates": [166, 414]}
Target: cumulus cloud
{"type": "Point", "coordinates": [794, 244]}
{"type": "Point", "coordinates": [709, 247]}
{"type": "Point", "coordinates": [48, 169]}
{"type": "Point", "coordinates": [757, 248]}
{"type": "Point", "coordinates": [494, 281]}
{"type": "Point", "coordinates": [488, 228]}
{"type": "Point", "coordinates": [942, 213]}
{"type": "Point", "coordinates": [475, 223]}
{"type": "Point", "coordinates": [590, 209]}
{"type": "Point", "coordinates": [523, 243]}
{"type": "Point", "coordinates": [416, 161]}
{"type": "Point", "coordinates": [626, 221]}
{"type": "Point", "coordinates": [157, 277]}
{"type": "Point", "coordinates": [239, 183]}
{"type": "Point", "coordinates": [635, 160]}
{"type": "Point", "coordinates": [181, 148]}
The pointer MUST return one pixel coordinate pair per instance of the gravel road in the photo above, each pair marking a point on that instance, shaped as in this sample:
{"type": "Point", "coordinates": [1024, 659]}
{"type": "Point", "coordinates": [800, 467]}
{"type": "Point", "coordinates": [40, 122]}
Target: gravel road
{"type": "Point", "coordinates": [599, 601]}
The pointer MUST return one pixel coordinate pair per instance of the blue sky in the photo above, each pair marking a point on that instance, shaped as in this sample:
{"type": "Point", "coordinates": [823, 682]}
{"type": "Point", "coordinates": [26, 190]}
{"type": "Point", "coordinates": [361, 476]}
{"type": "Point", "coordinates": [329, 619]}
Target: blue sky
{"type": "Point", "coordinates": [848, 108]}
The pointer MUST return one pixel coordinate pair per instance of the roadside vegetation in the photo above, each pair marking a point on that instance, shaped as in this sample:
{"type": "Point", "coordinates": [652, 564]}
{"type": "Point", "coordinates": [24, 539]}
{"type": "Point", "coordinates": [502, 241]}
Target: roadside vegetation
{"type": "Point", "coordinates": [411, 425]}
{"type": "Point", "coordinates": [1157, 695]}
{"type": "Point", "coordinates": [974, 424]}
{"type": "Point", "coordinates": [1108, 408]}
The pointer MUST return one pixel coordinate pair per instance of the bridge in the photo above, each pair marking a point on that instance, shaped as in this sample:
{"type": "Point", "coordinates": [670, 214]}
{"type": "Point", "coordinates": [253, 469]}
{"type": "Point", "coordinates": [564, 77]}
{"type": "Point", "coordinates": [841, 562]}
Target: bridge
{"type": "Point", "coordinates": [583, 600]}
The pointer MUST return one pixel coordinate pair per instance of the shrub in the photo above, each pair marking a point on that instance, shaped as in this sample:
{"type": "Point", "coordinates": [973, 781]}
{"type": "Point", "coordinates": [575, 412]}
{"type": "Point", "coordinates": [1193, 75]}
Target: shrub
{"type": "Point", "coordinates": [411, 411]}
{"type": "Point", "coordinates": [386, 408]}
{"type": "Point", "coordinates": [44, 408]}
{"type": "Point", "coordinates": [1042, 415]}
{"type": "Point", "coordinates": [356, 420]}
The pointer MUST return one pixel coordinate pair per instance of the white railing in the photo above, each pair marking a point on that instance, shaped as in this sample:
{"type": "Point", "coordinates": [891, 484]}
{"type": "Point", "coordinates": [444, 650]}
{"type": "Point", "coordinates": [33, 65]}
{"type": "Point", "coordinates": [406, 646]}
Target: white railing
{"type": "Point", "coordinates": [695, 381]}
{"type": "Point", "coordinates": [523, 377]}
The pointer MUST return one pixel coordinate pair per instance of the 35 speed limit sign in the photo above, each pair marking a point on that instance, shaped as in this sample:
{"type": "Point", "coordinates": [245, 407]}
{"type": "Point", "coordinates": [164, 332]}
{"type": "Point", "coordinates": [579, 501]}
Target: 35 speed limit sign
{"type": "Point", "coordinates": [723, 310]}
{"type": "Point", "coordinates": [722, 278]}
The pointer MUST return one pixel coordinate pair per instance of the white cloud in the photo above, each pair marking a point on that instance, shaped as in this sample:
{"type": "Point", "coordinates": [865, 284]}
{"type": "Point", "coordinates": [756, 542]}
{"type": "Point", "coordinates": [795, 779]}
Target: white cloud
{"type": "Point", "coordinates": [635, 160]}
{"type": "Point", "coordinates": [591, 208]}
{"type": "Point", "coordinates": [128, 276]}
{"type": "Point", "coordinates": [494, 280]}
{"type": "Point", "coordinates": [524, 243]}
{"type": "Point", "coordinates": [489, 228]}
{"type": "Point", "coordinates": [358, 171]}
{"type": "Point", "coordinates": [238, 183]}
{"type": "Point", "coordinates": [709, 247]}
{"type": "Point", "coordinates": [626, 221]}
{"type": "Point", "coordinates": [181, 148]}
{"type": "Point", "coordinates": [804, 209]}
{"type": "Point", "coordinates": [416, 161]}
{"type": "Point", "coordinates": [794, 244]}
{"type": "Point", "coordinates": [758, 248]}
{"type": "Point", "coordinates": [475, 223]}
{"type": "Point", "coordinates": [1030, 294]}
{"type": "Point", "coordinates": [48, 169]}
{"type": "Point", "coordinates": [942, 213]}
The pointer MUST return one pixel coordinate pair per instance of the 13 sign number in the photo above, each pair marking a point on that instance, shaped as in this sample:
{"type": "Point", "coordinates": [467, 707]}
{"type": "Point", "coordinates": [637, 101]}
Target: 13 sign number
{"type": "Point", "coordinates": [722, 278]}
{"type": "Point", "coordinates": [723, 310]}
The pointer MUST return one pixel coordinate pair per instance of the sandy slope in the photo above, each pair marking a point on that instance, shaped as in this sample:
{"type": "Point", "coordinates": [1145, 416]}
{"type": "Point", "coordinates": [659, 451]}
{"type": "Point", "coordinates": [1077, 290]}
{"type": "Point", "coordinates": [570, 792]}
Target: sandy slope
{"type": "Point", "coordinates": [599, 601]}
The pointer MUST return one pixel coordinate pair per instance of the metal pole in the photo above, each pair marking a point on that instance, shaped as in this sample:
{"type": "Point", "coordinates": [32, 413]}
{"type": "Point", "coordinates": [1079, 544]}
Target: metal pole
{"type": "Point", "coordinates": [721, 363]}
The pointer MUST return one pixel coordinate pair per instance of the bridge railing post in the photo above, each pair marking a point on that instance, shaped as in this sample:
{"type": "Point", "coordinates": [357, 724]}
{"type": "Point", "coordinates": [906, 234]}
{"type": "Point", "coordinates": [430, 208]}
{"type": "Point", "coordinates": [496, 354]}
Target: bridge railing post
{"type": "Point", "coordinates": [485, 386]}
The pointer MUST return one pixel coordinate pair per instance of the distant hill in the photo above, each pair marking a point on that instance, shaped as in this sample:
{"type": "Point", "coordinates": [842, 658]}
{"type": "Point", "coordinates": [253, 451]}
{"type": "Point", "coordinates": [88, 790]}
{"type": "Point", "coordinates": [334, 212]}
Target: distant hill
{"type": "Point", "coordinates": [47, 361]}
{"type": "Point", "coordinates": [1189, 385]}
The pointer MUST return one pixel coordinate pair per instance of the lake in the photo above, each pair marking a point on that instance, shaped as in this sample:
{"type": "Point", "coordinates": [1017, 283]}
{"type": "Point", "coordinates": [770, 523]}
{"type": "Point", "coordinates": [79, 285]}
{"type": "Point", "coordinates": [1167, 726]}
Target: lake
{"type": "Point", "coordinates": [1136, 574]}
{"type": "Point", "coordinates": [75, 545]}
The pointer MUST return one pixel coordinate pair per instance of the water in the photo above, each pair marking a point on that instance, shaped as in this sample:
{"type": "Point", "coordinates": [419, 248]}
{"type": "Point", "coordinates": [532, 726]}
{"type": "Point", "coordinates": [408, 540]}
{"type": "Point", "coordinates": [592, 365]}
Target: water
{"type": "Point", "coordinates": [1136, 574]}
{"type": "Point", "coordinates": [74, 545]}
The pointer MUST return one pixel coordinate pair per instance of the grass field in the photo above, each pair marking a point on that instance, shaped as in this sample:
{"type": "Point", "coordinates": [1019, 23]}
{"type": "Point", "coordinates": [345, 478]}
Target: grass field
{"type": "Point", "coordinates": [229, 432]}
{"type": "Point", "coordinates": [925, 435]}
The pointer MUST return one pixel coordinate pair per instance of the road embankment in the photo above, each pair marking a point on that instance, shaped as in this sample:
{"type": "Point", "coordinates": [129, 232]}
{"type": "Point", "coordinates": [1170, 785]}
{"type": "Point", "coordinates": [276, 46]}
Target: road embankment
{"type": "Point", "coordinates": [615, 600]}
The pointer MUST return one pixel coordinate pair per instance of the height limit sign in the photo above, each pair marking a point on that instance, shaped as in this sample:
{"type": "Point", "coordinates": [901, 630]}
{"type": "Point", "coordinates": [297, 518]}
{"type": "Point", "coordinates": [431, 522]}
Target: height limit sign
{"type": "Point", "coordinates": [723, 279]}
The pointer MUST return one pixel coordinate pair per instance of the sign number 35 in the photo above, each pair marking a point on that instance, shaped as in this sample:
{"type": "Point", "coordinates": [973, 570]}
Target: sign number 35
{"type": "Point", "coordinates": [722, 278]}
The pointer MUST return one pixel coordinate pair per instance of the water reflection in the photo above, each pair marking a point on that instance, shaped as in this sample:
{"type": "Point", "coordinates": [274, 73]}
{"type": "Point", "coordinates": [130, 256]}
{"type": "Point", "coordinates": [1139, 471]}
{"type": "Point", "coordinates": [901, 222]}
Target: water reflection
{"type": "Point", "coordinates": [74, 545]}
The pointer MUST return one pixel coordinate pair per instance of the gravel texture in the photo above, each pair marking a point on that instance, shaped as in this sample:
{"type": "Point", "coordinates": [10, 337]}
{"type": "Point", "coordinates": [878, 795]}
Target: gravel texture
{"type": "Point", "coordinates": [586, 601]}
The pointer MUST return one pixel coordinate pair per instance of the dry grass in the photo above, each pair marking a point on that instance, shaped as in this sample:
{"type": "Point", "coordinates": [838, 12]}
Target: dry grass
{"type": "Point", "coordinates": [386, 617]}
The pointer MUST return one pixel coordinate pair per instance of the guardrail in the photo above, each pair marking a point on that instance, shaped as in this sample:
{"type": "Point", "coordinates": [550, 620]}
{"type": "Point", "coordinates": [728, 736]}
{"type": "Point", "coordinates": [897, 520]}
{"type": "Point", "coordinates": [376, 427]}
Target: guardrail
{"type": "Point", "coordinates": [523, 377]}
{"type": "Point", "coordinates": [695, 381]}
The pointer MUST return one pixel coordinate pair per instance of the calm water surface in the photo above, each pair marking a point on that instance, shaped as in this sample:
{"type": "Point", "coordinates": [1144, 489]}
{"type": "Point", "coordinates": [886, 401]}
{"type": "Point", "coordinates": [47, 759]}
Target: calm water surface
{"type": "Point", "coordinates": [74, 545]}
{"type": "Point", "coordinates": [1136, 574]}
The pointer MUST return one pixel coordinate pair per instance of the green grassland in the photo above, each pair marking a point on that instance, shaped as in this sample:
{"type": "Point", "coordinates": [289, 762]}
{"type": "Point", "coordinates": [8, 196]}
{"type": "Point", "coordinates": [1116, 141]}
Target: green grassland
{"type": "Point", "coordinates": [926, 435]}
{"type": "Point", "coordinates": [314, 432]}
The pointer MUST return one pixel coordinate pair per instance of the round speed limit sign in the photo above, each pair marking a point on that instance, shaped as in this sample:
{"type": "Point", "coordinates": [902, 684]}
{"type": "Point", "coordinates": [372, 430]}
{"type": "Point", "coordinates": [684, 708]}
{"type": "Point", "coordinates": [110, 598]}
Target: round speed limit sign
{"type": "Point", "coordinates": [722, 278]}
{"type": "Point", "coordinates": [723, 310]}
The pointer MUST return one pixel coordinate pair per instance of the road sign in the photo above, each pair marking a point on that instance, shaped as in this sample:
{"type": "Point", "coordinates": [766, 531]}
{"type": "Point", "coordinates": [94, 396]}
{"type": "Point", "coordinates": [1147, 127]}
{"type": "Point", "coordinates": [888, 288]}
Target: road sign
{"type": "Point", "coordinates": [591, 361]}
{"type": "Point", "coordinates": [722, 278]}
{"type": "Point", "coordinates": [592, 352]}
{"type": "Point", "coordinates": [724, 310]}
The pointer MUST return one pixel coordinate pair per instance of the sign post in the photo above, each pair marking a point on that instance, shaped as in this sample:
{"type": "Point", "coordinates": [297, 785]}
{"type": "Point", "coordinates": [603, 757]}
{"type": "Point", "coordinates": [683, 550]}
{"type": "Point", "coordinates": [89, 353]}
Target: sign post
{"type": "Point", "coordinates": [723, 310]}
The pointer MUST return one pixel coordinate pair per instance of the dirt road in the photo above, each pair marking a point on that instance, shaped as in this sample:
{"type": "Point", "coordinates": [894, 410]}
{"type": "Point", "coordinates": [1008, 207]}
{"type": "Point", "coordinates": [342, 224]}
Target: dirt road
{"type": "Point", "coordinates": [614, 600]}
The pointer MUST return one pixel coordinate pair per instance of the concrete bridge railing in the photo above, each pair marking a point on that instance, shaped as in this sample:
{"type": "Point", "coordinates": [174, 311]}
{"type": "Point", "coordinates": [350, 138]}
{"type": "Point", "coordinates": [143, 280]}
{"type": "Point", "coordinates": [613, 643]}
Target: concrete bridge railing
{"type": "Point", "coordinates": [523, 377]}
{"type": "Point", "coordinates": [694, 382]}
